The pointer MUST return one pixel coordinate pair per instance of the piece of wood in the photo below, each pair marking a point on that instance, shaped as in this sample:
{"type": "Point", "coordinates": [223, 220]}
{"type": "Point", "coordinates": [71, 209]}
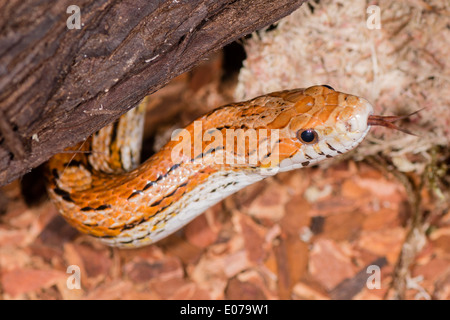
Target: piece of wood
{"type": "Point", "coordinates": [60, 85]}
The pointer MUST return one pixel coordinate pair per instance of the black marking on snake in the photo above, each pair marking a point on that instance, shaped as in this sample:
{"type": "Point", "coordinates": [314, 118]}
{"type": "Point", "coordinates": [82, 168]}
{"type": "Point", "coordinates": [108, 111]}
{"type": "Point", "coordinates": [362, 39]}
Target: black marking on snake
{"type": "Point", "coordinates": [148, 185]}
{"type": "Point", "coordinates": [267, 155]}
{"type": "Point", "coordinates": [158, 231]}
{"type": "Point", "coordinates": [113, 136]}
{"type": "Point", "coordinates": [133, 224]}
{"type": "Point", "coordinates": [73, 163]}
{"type": "Point", "coordinates": [171, 194]}
{"type": "Point", "coordinates": [197, 157]}
{"type": "Point", "coordinates": [172, 168]}
{"type": "Point", "coordinates": [154, 204]}
{"type": "Point", "coordinates": [183, 185]}
{"type": "Point", "coordinates": [214, 149]}
{"type": "Point", "coordinates": [224, 186]}
{"type": "Point", "coordinates": [210, 151]}
{"type": "Point", "coordinates": [135, 193]}
{"type": "Point", "coordinates": [162, 209]}
{"type": "Point", "coordinates": [166, 218]}
{"type": "Point", "coordinates": [108, 236]}
{"type": "Point", "coordinates": [338, 151]}
{"type": "Point", "coordinates": [329, 156]}
{"type": "Point", "coordinates": [128, 241]}
{"type": "Point", "coordinates": [116, 227]}
{"type": "Point", "coordinates": [152, 183]}
{"type": "Point", "coordinates": [264, 140]}
{"type": "Point", "coordinates": [120, 159]}
{"type": "Point", "coordinates": [210, 131]}
{"type": "Point", "coordinates": [331, 147]}
{"type": "Point", "coordinates": [142, 238]}
{"type": "Point", "coordinates": [327, 86]}
{"type": "Point", "coordinates": [88, 166]}
{"type": "Point", "coordinates": [223, 127]}
{"type": "Point", "coordinates": [320, 153]}
{"type": "Point", "coordinates": [306, 163]}
{"type": "Point", "coordinates": [55, 173]}
{"type": "Point", "coordinates": [95, 224]}
{"type": "Point", "coordinates": [308, 156]}
{"type": "Point", "coordinates": [207, 152]}
{"type": "Point", "coordinates": [102, 207]}
{"type": "Point", "coordinates": [63, 193]}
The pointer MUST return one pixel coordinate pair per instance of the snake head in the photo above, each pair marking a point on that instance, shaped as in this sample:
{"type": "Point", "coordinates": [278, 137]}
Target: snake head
{"type": "Point", "coordinates": [323, 123]}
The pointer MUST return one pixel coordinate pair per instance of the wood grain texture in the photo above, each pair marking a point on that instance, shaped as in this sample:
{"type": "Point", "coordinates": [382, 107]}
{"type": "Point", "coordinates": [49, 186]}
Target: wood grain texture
{"type": "Point", "coordinates": [60, 86]}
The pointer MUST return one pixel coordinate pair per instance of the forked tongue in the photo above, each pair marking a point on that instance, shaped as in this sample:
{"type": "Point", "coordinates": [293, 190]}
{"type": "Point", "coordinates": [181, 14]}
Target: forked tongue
{"type": "Point", "coordinates": [387, 121]}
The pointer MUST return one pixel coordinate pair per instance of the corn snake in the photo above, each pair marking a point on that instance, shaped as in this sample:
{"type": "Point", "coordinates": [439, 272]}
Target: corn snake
{"type": "Point", "coordinates": [108, 195]}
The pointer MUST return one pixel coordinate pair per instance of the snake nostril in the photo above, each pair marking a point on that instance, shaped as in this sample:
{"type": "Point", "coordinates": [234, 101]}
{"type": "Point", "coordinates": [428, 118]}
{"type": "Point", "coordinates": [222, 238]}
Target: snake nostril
{"type": "Point", "coordinates": [352, 125]}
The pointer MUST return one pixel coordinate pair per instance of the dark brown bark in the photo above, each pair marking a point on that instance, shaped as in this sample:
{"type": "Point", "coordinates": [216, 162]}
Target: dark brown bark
{"type": "Point", "coordinates": [58, 86]}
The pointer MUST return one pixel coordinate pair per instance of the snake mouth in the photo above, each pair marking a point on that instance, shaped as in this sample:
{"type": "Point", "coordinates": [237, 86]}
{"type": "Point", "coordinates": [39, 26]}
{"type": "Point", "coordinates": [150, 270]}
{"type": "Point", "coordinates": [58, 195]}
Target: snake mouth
{"type": "Point", "coordinates": [387, 121]}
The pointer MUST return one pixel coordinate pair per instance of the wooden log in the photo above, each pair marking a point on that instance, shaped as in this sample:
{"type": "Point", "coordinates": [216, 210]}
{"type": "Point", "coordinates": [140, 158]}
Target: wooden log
{"type": "Point", "coordinates": [60, 85]}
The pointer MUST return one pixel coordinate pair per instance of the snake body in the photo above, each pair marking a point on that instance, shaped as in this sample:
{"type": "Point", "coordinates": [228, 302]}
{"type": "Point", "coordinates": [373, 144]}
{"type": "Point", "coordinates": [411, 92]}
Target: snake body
{"type": "Point", "coordinates": [106, 194]}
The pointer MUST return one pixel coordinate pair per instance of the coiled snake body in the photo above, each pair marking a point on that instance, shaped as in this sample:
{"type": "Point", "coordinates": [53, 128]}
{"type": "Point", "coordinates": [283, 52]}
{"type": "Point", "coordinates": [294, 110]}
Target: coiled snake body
{"type": "Point", "coordinates": [104, 193]}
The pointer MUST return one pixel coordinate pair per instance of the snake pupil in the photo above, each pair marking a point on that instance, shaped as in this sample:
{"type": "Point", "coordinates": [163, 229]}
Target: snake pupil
{"type": "Point", "coordinates": [307, 136]}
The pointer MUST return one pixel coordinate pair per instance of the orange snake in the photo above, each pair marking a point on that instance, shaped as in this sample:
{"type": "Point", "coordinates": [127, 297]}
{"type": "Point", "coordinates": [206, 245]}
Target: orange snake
{"type": "Point", "coordinates": [103, 191]}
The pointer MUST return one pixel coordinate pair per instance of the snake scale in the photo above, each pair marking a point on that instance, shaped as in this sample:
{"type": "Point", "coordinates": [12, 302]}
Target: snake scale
{"type": "Point", "coordinates": [100, 188]}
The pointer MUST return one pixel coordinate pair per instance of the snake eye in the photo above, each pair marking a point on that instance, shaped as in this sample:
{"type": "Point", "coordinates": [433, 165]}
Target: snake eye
{"type": "Point", "coordinates": [327, 86]}
{"type": "Point", "coordinates": [307, 136]}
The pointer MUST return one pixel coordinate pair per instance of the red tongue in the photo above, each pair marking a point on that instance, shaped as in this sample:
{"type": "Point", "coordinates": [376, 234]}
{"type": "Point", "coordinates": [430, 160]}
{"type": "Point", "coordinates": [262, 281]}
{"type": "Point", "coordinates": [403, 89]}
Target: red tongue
{"type": "Point", "coordinates": [386, 121]}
